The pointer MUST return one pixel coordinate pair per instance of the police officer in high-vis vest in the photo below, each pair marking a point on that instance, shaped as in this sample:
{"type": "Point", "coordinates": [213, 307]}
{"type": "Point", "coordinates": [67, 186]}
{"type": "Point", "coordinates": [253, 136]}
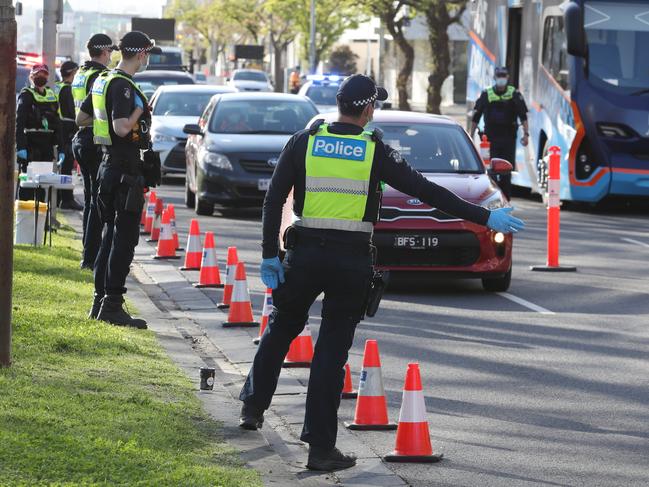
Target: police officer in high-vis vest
{"type": "Point", "coordinates": [120, 119]}
{"type": "Point", "coordinates": [63, 91]}
{"type": "Point", "coordinates": [336, 171]}
{"type": "Point", "coordinates": [38, 128]}
{"type": "Point", "coordinates": [502, 105]}
{"type": "Point", "coordinates": [87, 154]}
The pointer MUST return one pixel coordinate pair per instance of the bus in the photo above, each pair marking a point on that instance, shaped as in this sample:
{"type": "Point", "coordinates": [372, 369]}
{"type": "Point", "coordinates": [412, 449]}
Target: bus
{"type": "Point", "coordinates": [581, 68]}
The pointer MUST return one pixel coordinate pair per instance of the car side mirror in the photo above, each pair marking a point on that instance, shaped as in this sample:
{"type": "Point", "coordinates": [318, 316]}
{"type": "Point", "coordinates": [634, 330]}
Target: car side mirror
{"type": "Point", "coordinates": [192, 129]}
{"type": "Point", "coordinates": [500, 166]}
{"type": "Point", "coordinates": [575, 33]}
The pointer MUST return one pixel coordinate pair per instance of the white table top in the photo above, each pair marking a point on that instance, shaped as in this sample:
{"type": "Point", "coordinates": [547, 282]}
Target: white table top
{"type": "Point", "coordinates": [34, 184]}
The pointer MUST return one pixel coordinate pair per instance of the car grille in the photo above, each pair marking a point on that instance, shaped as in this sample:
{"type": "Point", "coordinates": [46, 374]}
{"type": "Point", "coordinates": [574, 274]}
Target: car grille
{"type": "Point", "coordinates": [256, 166]}
{"type": "Point", "coordinates": [176, 157]}
{"type": "Point", "coordinates": [391, 213]}
{"type": "Point", "coordinates": [458, 249]}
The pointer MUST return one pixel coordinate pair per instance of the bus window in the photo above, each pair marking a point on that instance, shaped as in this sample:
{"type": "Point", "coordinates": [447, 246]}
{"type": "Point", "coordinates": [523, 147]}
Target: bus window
{"type": "Point", "coordinates": [555, 55]}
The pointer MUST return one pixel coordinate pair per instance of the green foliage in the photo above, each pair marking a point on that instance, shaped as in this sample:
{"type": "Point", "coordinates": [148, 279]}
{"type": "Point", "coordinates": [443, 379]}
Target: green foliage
{"type": "Point", "coordinates": [342, 60]}
{"type": "Point", "coordinates": [87, 403]}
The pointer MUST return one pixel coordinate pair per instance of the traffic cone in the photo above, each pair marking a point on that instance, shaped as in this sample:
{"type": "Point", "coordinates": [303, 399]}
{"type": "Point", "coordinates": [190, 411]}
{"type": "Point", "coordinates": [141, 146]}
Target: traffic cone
{"type": "Point", "coordinates": [300, 353]}
{"type": "Point", "coordinates": [348, 389]}
{"type": "Point", "coordinates": [150, 213]}
{"type": "Point", "coordinates": [155, 228]}
{"type": "Point", "coordinates": [413, 439]}
{"type": "Point", "coordinates": [240, 314]}
{"type": "Point", "coordinates": [172, 222]}
{"type": "Point", "coordinates": [144, 207]}
{"type": "Point", "coordinates": [194, 251]}
{"type": "Point", "coordinates": [210, 275]}
{"type": "Point", "coordinates": [371, 405]}
{"type": "Point", "coordinates": [265, 313]}
{"type": "Point", "coordinates": [230, 271]}
{"type": "Point", "coordinates": [166, 248]}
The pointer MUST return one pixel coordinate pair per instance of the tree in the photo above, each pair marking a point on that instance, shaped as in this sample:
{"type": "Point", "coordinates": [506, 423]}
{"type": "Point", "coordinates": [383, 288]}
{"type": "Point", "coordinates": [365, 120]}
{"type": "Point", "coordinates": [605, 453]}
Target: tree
{"type": "Point", "coordinates": [438, 18]}
{"type": "Point", "coordinates": [342, 60]}
{"type": "Point", "coordinates": [282, 29]}
{"type": "Point", "coordinates": [396, 15]}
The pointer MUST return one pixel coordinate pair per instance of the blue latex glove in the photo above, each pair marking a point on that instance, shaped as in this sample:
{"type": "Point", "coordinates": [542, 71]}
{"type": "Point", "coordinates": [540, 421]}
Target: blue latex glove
{"type": "Point", "coordinates": [138, 102]}
{"type": "Point", "coordinates": [22, 154]}
{"type": "Point", "coordinates": [500, 220]}
{"type": "Point", "coordinates": [60, 159]}
{"type": "Point", "coordinates": [272, 272]}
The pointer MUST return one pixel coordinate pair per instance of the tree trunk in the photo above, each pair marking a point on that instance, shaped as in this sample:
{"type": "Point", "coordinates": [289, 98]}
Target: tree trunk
{"type": "Point", "coordinates": [280, 51]}
{"type": "Point", "coordinates": [214, 56]}
{"type": "Point", "coordinates": [438, 20]}
{"type": "Point", "coordinates": [403, 78]}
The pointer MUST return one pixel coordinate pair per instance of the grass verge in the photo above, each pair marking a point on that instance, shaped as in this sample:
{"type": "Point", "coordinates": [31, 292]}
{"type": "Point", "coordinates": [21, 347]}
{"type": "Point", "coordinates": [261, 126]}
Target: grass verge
{"type": "Point", "coordinates": [86, 403]}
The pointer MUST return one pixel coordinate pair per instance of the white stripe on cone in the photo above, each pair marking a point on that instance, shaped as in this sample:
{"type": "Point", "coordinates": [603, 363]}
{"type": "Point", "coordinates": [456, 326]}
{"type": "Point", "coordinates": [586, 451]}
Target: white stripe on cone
{"type": "Point", "coordinates": [305, 332]}
{"type": "Point", "coordinates": [209, 258]}
{"type": "Point", "coordinates": [240, 292]}
{"type": "Point", "coordinates": [194, 244]}
{"type": "Point", "coordinates": [413, 407]}
{"type": "Point", "coordinates": [165, 232]}
{"type": "Point", "coordinates": [268, 305]}
{"type": "Point", "coordinates": [371, 382]}
{"type": "Point", "coordinates": [229, 274]}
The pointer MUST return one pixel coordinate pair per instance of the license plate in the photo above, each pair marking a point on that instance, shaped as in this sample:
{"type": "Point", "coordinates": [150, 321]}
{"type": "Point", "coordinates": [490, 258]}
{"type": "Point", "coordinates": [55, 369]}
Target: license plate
{"type": "Point", "coordinates": [416, 241]}
{"type": "Point", "coordinates": [262, 184]}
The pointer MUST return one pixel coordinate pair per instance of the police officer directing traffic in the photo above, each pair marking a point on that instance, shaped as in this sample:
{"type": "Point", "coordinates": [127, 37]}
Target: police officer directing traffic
{"type": "Point", "coordinates": [120, 126]}
{"type": "Point", "coordinates": [336, 171]}
{"type": "Point", "coordinates": [87, 154]}
{"type": "Point", "coordinates": [501, 105]}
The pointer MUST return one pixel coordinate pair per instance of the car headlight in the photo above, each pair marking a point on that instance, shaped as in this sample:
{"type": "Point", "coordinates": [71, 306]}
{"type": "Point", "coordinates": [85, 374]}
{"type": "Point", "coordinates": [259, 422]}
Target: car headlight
{"type": "Point", "coordinates": [161, 138]}
{"type": "Point", "coordinates": [494, 202]}
{"type": "Point", "coordinates": [216, 161]}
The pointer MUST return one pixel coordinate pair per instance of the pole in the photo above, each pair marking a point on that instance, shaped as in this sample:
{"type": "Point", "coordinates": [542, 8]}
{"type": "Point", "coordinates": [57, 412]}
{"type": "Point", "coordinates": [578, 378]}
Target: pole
{"type": "Point", "coordinates": [312, 40]}
{"type": "Point", "coordinates": [379, 72]}
{"type": "Point", "coordinates": [50, 8]}
{"type": "Point", "coordinates": [7, 168]}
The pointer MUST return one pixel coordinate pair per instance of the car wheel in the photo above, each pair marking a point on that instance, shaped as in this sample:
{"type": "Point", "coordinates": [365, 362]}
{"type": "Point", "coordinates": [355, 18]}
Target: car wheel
{"type": "Point", "coordinates": [204, 208]}
{"type": "Point", "coordinates": [190, 198]}
{"type": "Point", "coordinates": [498, 284]}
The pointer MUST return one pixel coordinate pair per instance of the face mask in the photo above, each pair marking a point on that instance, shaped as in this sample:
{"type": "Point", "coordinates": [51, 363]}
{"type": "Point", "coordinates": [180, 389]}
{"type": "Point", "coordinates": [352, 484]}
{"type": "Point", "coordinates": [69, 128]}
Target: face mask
{"type": "Point", "coordinates": [501, 82]}
{"type": "Point", "coordinates": [40, 82]}
{"type": "Point", "coordinates": [144, 65]}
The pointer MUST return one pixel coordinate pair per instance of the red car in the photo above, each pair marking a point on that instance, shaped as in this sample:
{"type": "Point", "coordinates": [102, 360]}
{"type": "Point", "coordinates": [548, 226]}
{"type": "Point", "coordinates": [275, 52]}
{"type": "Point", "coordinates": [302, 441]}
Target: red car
{"type": "Point", "coordinates": [412, 236]}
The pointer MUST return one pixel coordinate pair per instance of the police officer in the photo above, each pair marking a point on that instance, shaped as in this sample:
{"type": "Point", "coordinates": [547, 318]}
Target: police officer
{"type": "Point", "coordinates": [336, 172]}
{"type": "Point", "coordinates": [38, 130]}
{"type": "Point", "coordinates": [120, 126]}
{"type": "Point", "coordinates": [63, 91]}
{"type": "Point", "coordinates": [87, 154]}
{"type": "Point", "coordinates": [502, 104]}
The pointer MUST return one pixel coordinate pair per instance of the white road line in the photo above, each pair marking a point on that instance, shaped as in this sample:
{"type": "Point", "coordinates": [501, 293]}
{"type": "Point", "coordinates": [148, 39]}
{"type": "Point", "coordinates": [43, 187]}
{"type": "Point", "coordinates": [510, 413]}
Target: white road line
{"type": "Point", "coordinates": [637, 242]}
{"type": "Point", "coordinates": [526, 303]}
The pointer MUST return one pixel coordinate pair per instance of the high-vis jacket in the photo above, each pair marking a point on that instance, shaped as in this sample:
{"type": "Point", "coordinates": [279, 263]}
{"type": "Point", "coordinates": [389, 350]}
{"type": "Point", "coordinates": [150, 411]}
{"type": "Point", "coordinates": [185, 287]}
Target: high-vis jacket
{"type": "Point", "coordinates": [337, 182]}
{"type": "Point", "coordinates": [507, 95]}
{"type": "Point", "coordinates": [48, 97]}
{"type": "Point", "coordinates": [80, 86]}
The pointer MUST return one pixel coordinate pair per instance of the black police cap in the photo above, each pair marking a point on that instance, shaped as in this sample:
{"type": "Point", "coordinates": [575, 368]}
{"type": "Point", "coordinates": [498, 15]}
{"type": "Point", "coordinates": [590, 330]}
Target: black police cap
{"type": "Point", "coordinates": [67, 67]}
{"type": "Point", "coordinates": [136, 41]}
{"type": "Point", "coordinates": [501, 71]}
{"type": "Point", "coordinates": [101, 41]}
{"type": "Point", "coordinates": [360, 90]}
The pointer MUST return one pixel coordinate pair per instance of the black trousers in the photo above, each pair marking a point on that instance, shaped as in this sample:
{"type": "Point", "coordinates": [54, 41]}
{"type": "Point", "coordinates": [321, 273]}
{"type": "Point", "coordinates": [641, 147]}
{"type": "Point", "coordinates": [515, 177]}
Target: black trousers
{"type": "Point", "coordinates": [121, 230]}
{"type": "Point", "coordinates": [504, 148]}
{"type": "Point", "coordinates": [342, 271]}
{"type": "Point", "coordinates": [88, 156]}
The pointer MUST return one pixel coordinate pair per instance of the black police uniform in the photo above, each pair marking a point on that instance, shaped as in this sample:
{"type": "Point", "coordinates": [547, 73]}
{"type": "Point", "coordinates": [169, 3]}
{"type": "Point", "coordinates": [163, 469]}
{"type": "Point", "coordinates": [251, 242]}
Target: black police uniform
{"type": "Point", "coordinates": [500, 128]}
{"type": "Point", "coordinates": [89, 155]}
{"type": "Point", "coordinates": [122, 225]}
{"type": "Point", "coordinates": [336, 262]}
{"type": "Point", "coordinates": [68, 128]}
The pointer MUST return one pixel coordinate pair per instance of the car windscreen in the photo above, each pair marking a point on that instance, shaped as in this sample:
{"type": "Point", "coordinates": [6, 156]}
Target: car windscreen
{"type": "Point", "coordinates": [160, 80]}
{"type": "Point", "coordinates": [261, 116]}
{"type": "Point", "coordinates": [432, 147]}
{"type": "Point", "coordinates": [322, 94]}
{"type": "Point", "coordinates": [166, 58]}
{"type": "Point", "coordinates": [22, 78]}
{"type": "Point", "coordinates": [249, 76]}
{"type": "Point", "coordinates": [181, 104]}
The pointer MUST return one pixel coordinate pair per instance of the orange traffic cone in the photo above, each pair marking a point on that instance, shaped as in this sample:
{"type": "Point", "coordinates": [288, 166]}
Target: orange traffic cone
{"type": "Point", "coordinates": [155, 228]}
{"type": "Point", "coordinates": [230, 271]}
{"type": "Point", "coordinates": [150, 213]}
{"type": "Point", "coordinates": [210, 275]}
{"type": "Point", "coordinates": [371, 406]}
{"type": "Point", "coordinates": [240, 314]}
{"type": "Point", "coordinates": [194, 251]}
{"type": "Point", "coordinates": [172, 222]}
{"type": "Point", "coordinates": [166, 248]}
{"type": "Point", "coordinates": [265, 313]}
{"type": "Point", "coordinates": [144, 207]}
{"type": "Point", "coordinates": [348, 389]}
{"type": "Point", "coordinates": [300, 353]}
{"type": "Point", "coordinates": [413, 439]}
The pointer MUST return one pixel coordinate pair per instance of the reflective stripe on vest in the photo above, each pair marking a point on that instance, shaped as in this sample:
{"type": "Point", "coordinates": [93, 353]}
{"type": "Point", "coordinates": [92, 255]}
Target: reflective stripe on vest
{"type": "Point", "coordinates": [48, 97]}
{"type": "Point", "coordinates": [100, 123]}
{"type": "Point", "coordinates": [80, 86]}
{"type": "Point", "coordinates": [507, 95]}
{"type": "Point", "coordinates": [337, 181]}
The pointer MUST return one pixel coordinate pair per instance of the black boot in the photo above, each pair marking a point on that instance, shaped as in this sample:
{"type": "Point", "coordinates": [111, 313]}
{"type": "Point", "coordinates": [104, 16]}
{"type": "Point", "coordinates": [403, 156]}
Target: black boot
{"type": "Point", "coordinates": [328, 459]}
{"type": "Point", "coordinates": [112, 310]}
{"type": "Point", "coordinates": [251, 417]}
{"type": "Point", "coordinates": [96, 304]}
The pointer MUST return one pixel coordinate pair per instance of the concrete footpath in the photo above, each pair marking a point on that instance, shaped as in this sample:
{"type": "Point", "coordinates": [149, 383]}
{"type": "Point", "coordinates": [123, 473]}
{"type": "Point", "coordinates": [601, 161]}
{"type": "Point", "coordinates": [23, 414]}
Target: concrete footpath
{"type": "Point", "coordinates": [188, 326]}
